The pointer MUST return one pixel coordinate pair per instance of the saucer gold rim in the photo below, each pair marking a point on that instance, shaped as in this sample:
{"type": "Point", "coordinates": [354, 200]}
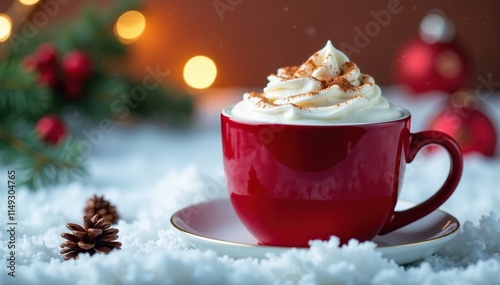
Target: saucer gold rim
{"type": "Point", "coordinates": [439, 239]}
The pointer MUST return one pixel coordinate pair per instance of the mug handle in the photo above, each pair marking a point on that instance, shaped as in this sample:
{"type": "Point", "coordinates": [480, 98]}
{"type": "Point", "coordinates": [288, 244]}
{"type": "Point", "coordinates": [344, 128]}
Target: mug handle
{"type": "Point", "coordinates": [399, 219]}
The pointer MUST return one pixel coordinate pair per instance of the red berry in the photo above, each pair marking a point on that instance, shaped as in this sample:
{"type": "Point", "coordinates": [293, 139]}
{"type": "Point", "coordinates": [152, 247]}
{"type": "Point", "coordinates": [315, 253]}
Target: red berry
{"type": "Point", "coordinates": [77, 65]}
{"type": "Point", "coordinates": [51, 129]}
{"type": "Point", "coordinates": [72, 88]}
{"type": "Point", "coordinates": [46, 56]}
{"type": "Point", "coordinates": [30, 63]}
{"type": "Point", "coordinates": [48, 77]}
{"type": "Point", "coordinates": [45, 62]}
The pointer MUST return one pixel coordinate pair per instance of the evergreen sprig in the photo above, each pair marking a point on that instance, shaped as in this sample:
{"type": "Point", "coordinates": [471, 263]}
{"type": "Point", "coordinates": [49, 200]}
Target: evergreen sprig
{"type": "Point", "coordinates": [92, 31]}
{"type": "Point", "coordinates": [167, 105]}
{"type": "Point", "coordinates": [19, 91]}
{"type": "Point", "coordinates": [23, 100]}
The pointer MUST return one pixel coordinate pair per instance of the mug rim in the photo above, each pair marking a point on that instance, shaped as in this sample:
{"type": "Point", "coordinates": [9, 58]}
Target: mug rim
{"type": "Point", "coordinates": [225, 112]}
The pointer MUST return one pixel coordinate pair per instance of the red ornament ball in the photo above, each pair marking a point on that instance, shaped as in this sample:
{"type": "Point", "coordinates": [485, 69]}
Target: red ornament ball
{"type": "Point", "coordinates": [51, 129]}
{"type": "Point", "coordinates": [440, 66]}
{"type": "Point", "coordinates": [471, 129]}
{"type": "Point", "coordinates": [77, 65]}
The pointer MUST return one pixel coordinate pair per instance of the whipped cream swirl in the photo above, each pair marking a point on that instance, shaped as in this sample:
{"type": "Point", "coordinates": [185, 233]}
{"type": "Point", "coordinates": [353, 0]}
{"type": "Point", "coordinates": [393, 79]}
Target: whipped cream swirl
{"type": "Point", "coordinates": [326, 89]}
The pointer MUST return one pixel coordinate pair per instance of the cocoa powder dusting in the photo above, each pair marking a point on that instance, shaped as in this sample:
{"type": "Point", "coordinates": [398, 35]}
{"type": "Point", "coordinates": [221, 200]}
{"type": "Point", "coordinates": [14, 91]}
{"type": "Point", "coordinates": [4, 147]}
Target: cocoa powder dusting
{"type": "Point", "coordinates": [298, 107]}
{"type": "Point", "coordinates": [292, 72]}
{"type": "Point", "coordinates": [340, 81]}
{"type": "Point", "coordinates": [305, 68]}
{"type": "Point", "coordinates": [263, 101]}
{"type": "Point", "coordinates": [349, 67]}
{"type": "Point", "coordinates": [288, 70]}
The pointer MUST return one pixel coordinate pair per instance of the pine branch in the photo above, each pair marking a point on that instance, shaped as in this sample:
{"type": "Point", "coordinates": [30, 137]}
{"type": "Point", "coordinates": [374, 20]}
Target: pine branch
{"type": "Point", "coordinates": [20, 92]}
{"type": "Point", "coordinates": [167, 105]}
{"type": "Point", "coordinates": [114, 96]}
{"type": "Point", "coordinates": [39, 164]}
{"type": "Point", "coordinates": [23, 100]}
{"type": "Point", "coordinates": [93, 34]}
{"type": "Point", "coordinates": [101, 93]}
{"type": "Point", "coordinates": [92, 31]}
{"type": "Point", "coordinates": [121, 6]}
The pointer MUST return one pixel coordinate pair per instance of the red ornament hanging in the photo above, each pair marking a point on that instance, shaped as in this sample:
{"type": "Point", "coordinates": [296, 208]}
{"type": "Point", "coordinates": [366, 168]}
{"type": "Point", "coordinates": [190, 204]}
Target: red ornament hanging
{"type": "Point", "coordinates": [51, 129]}
{"type": "Point", "coordinates": [434, 61]}
{"type": "Point", "coordinates": [472, 129]}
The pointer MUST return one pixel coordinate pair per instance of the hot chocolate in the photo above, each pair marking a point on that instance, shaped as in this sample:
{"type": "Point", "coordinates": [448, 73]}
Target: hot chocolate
{"type": "Point", "coordinates": [321, 152]}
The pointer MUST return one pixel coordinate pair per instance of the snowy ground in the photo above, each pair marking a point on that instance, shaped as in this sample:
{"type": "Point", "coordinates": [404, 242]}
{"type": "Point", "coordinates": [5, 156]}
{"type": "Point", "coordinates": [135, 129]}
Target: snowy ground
{"type": "Point", "coordinates": [149, 172]}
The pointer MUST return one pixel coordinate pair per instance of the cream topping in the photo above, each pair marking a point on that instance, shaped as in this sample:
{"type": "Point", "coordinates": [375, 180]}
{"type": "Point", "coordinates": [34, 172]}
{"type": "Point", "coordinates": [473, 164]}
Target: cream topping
{"type": "Point", "coordinates": [326, 89]}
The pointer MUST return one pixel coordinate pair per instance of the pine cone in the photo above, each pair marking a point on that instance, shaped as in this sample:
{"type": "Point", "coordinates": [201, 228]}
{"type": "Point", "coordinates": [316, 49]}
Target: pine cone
{"type": "Point", "coordinates": [97, 236]}
{"type": "Point", "coordinates": [99, 205]}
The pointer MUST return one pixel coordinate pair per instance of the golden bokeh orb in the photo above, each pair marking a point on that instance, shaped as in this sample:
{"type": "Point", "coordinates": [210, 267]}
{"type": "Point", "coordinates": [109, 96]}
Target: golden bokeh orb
{"type": "Point", "coordinates": [200, 72]}
{"type": "Point", "coordinates": [129, 26]}
{"type": "Point", "coordinates": [5, 27]}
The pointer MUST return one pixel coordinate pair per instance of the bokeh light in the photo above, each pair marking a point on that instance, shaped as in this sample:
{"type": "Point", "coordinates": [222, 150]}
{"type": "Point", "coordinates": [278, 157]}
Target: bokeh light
{"type": "Point", "coordinates": [130, 26]}
{"type": "Point", "coordinates": [200, 72]}
{"type": "Point", "coordinates": [448, 64]}
{"type": "Point", "coordinates": [5, 27]}
{"type": "Point", "coordinates": [28, 2]}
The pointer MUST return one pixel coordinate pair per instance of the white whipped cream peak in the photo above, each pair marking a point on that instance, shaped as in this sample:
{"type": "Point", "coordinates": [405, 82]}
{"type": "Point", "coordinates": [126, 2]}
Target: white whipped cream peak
{"type": "Point", "coordinates": [326, 89]}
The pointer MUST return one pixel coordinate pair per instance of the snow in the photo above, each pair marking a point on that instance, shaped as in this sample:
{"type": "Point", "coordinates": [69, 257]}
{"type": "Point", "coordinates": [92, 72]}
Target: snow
{"type": "Point", "coordinates": [149, 172]}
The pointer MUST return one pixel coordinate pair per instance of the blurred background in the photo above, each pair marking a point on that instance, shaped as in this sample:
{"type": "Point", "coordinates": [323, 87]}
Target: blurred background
{"type": "Point", "coordinates": [248, 40]}
{"type": "Point", "coordinates": [177, 63]}
{"type": "Point", "coordinates": [122, 98]}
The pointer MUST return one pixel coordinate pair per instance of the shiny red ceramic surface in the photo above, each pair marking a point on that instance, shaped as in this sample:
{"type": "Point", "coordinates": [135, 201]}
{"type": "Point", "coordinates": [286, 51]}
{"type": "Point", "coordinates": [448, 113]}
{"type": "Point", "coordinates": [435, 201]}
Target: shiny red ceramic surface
{"type": "Point", "coordinates": [292, 183]}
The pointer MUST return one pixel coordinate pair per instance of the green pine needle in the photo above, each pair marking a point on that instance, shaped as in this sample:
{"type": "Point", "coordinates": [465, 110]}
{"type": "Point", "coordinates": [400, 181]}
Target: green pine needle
{"type": "Point", "coordinates": [40, 164]}
{"type": "Point", "coordinates": [20, 92]}
{"type": "Point", "coordinates": [167, 105]}
{"type": "Point", "coordinates": [23, 100]}
{"type": "Point", "coordinates": [101, 93]}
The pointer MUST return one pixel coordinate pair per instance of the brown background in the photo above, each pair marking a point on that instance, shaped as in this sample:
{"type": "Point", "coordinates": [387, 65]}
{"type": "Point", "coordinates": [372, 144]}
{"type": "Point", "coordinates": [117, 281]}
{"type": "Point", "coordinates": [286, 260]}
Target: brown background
{"type": "Point", "coordinates": [253, 38]}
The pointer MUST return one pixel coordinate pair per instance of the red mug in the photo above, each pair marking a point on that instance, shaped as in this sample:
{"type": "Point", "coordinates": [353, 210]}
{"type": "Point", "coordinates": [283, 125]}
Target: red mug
{"type": "Point", "coordinates": [293, 183]}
